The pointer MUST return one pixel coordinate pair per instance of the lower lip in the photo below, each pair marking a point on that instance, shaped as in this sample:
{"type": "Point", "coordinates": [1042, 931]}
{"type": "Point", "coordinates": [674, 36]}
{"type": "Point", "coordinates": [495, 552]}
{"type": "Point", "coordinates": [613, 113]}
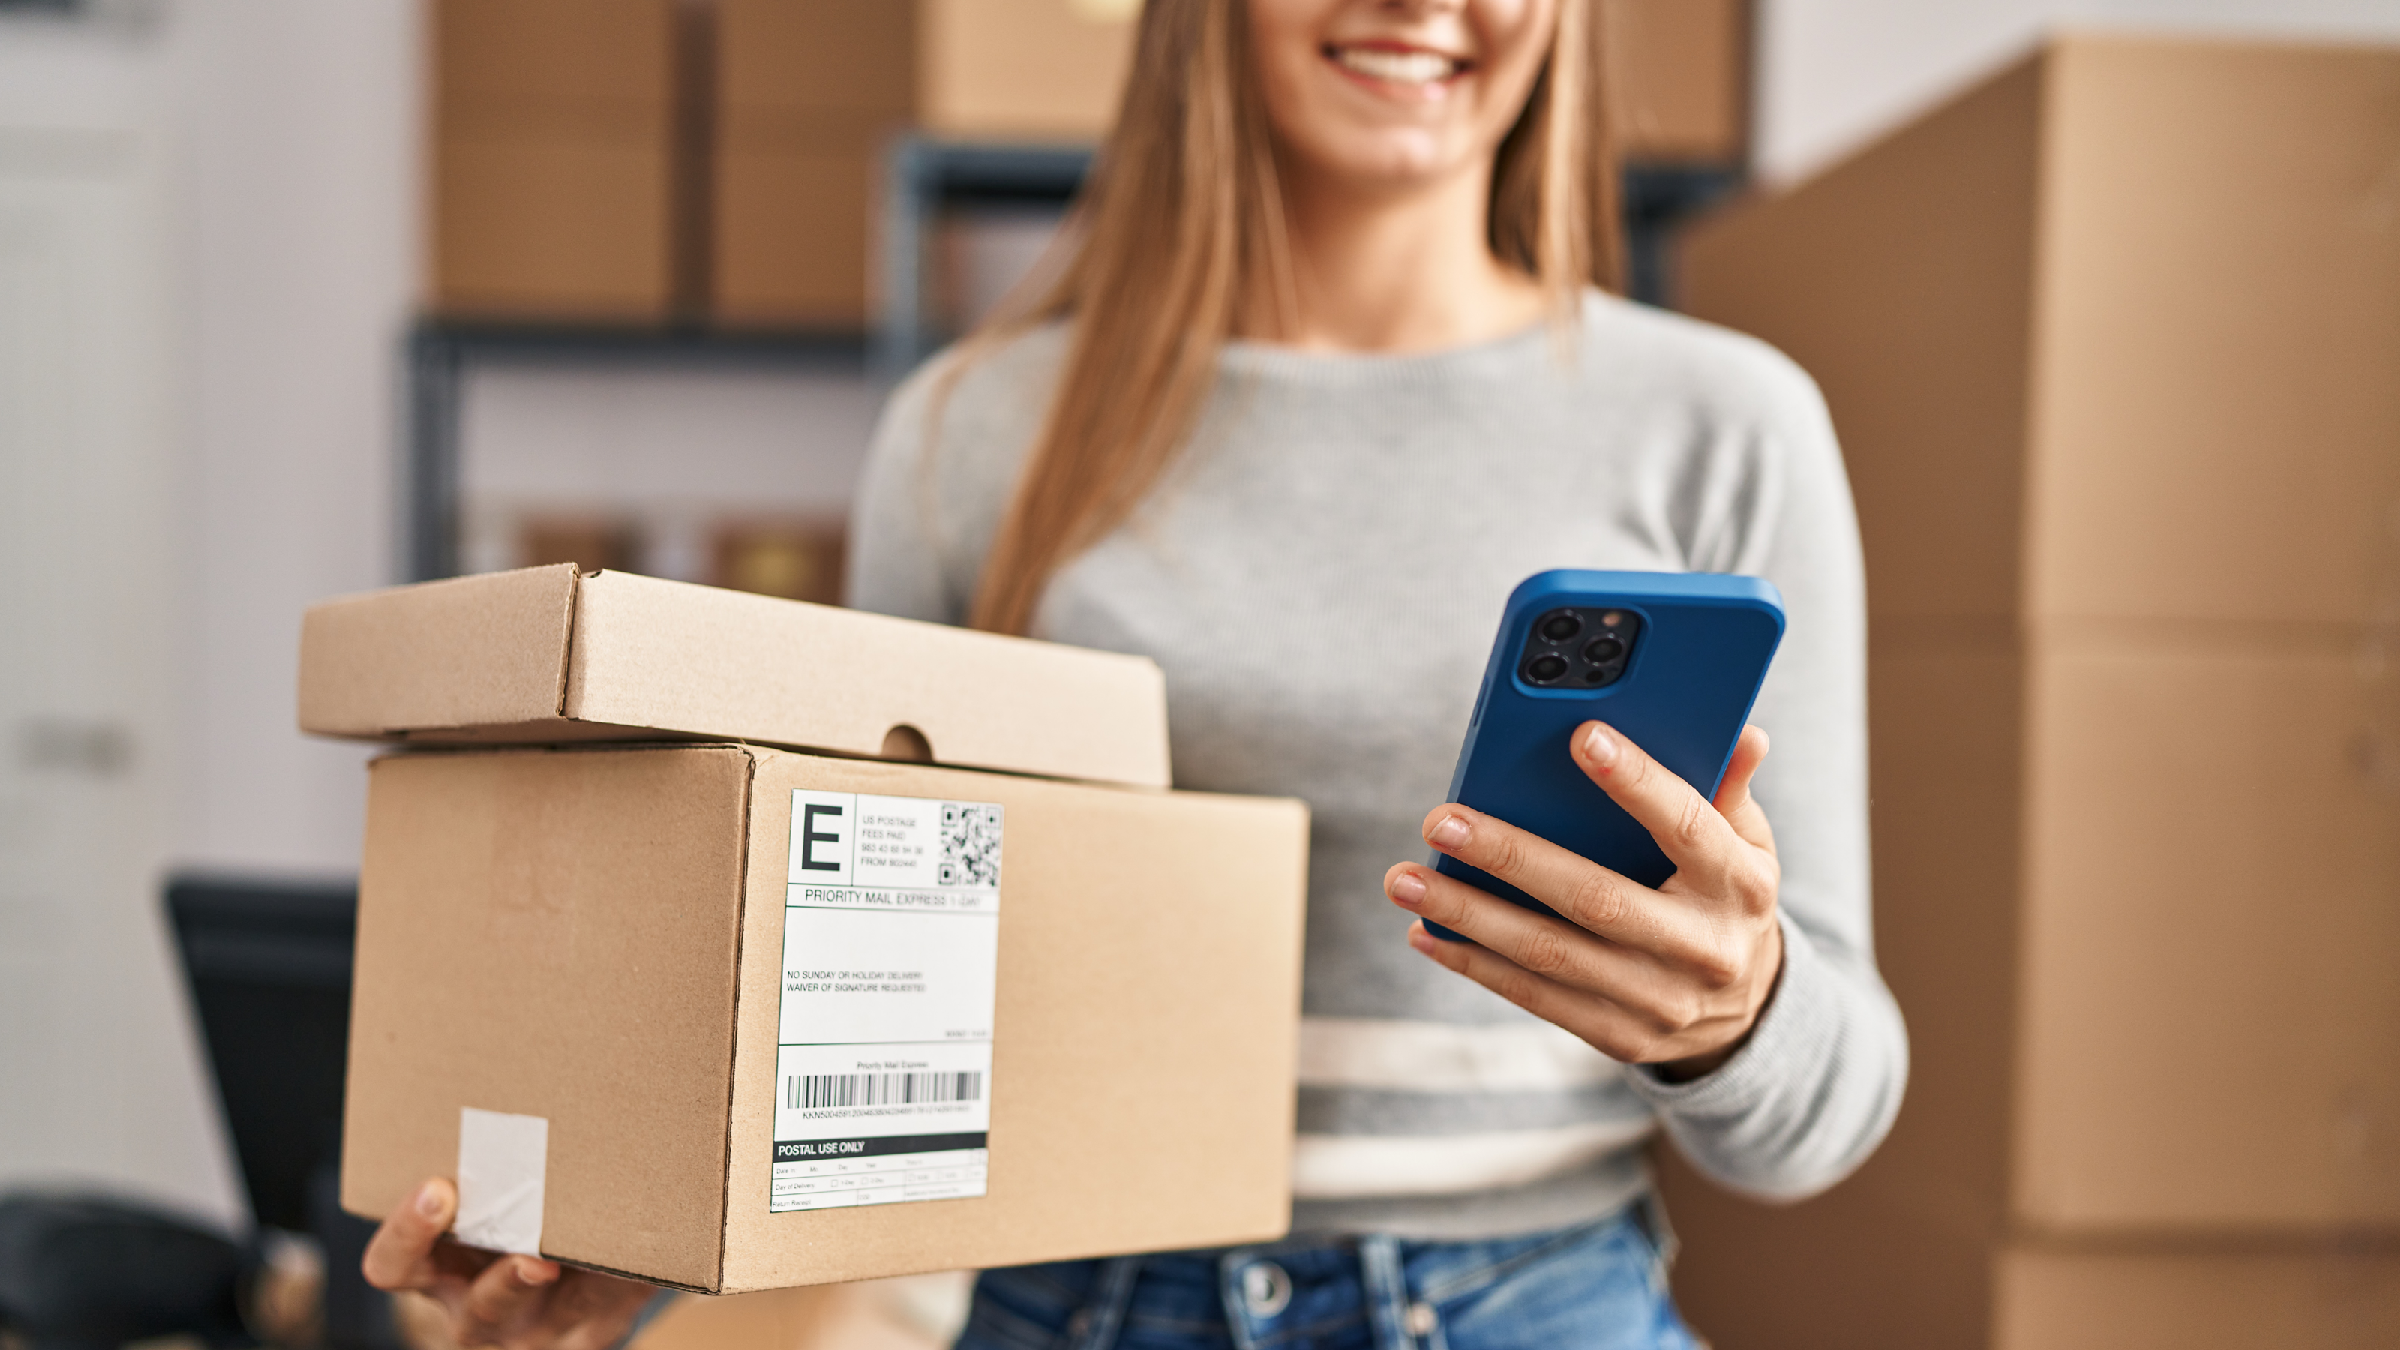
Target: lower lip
{"type": "Point", "coordinates": [1410, 90]}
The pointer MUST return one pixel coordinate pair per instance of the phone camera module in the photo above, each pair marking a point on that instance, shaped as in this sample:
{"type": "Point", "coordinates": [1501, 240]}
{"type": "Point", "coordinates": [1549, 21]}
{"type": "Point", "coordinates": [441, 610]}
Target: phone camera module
{"type": "Point", "coordinates": [1579, 649]}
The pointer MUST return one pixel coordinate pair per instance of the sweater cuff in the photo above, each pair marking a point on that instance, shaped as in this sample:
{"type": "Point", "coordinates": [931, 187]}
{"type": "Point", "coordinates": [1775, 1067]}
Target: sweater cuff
{"type": "Point", "coordinates": [1801, 1021]}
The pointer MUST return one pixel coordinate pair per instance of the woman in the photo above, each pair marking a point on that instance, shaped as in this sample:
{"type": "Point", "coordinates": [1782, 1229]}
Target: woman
{"type": "Point", "coordinates": [1323, 374]}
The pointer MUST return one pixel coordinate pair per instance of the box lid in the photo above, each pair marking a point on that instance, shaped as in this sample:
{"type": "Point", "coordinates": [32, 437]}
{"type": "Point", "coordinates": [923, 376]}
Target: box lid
{"type": "Point", "coordinates": [551, 654]}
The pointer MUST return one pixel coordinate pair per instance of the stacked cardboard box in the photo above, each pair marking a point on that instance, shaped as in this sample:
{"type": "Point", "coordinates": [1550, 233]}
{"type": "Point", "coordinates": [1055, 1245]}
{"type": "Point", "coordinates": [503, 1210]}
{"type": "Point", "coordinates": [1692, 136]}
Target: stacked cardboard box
{"type": "Point", "coordinates": [2113, 345]}
{"type": "Point", "coordinates": [737, 943]}
{"type": "Point", "coordinates": [807, 96]}
{"type": "Point", "coordinates": [1019, 70]}
{"type": "Point", "coordinates": [551, 162]}
{"type": "Point", "coordinates": [1680, 72]}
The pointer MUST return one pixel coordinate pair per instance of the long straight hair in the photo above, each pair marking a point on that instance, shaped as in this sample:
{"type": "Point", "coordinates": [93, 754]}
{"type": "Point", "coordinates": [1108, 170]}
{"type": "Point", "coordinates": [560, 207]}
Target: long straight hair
{"type": "Point", "coordinates": [1179, 239]}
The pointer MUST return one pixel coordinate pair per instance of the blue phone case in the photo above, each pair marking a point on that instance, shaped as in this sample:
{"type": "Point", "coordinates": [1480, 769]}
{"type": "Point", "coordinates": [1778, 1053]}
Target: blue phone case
{"type": "Point", "coordinates": [1698, 656]}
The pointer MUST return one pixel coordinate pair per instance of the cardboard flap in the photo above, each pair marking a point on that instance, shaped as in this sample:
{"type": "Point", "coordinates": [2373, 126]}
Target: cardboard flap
{"type": "Point", "coordinates": [547, 656]}
{"type": "Point", "coordinates": [467, 652]}
{"type": "Point", "coordinates": [724, 663]}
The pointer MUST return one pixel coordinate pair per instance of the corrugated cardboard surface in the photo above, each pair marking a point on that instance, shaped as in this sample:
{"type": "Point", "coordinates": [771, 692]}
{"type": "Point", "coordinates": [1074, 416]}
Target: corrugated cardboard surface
{"type": "Point", "coordinates": [808, 95]}
{"type": "Point", "coordinates": [781, 64]}
{"type": "Point", "coordinates": [465, 652]}
{"type": "Point", "coordinates": [548, 932]}
{"type": "Point", "coordinates": [2212, 1005]}
{"type": "Point", "coordinates": [592, 54]}
{"type": "Point", "coordinates": [1014, 69]}
{"type": "Point", "coordinates": [467, 659]}
{"type": "Point", "coordinates": [1680, 70]}
{"type": "Point", "coordinates": [550, 224]}
{"type": "Point", "coordinates": [552, 122]}
{"type": "Point", "coordinates": [554, 934]}
{"type": "Point", "coordinates": [2217, 432]}
{"type": "Point", "coordinates": [793, 228]}
{"type": "Point", "coordinates": [2326, 1298]}
{"type": "Point", "coordinates": [2108, 342]}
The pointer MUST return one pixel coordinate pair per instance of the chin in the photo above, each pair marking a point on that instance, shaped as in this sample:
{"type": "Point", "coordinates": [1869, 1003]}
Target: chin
{"type": "Point", "coordinates": [1396, 161]}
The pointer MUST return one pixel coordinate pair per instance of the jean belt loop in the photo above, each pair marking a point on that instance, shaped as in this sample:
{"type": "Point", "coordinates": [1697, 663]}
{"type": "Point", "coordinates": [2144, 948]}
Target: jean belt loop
{"type": "Point", "coordinates": [1387, 1292]}
{"type": "Point", "coordinates": [1651, 1213]}
{"type": "Point", "coordinates": [1097, 1322]}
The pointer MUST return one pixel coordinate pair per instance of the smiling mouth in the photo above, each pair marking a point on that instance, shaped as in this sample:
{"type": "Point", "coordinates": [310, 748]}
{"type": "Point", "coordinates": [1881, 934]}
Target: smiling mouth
{"type": "Point", "coordinates": [1397, 65]}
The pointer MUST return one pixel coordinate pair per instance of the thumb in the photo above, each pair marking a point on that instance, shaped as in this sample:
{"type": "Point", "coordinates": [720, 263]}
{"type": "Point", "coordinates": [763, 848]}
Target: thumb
{"type": "Point", "coordinates": [1733, 800]}
{"type": "Point", "coordinates": [400, 1256]}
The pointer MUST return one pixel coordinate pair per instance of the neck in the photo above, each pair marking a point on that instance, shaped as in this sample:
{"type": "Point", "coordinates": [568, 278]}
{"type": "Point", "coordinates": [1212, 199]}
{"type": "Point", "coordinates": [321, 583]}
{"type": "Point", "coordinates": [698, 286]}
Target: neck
{"type": "Point", "coordinates": [1398, 270]}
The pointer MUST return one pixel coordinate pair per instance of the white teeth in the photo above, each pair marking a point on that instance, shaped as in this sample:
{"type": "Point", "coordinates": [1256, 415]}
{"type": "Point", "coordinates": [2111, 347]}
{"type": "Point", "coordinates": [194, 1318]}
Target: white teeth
{"type": "Point", "coordinates": [1378, 63]}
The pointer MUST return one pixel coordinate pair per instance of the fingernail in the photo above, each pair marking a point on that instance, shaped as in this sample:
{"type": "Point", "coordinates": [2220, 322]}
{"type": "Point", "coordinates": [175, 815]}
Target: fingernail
{"type": "Point", "coordinates": [1421, 940]}
{"type": "Point", "coordinates": [1408, 889]}
{"type": "Point", "coordinates": [1450, 832]}
{"type": "Point", "coordinates": [532, 1273]}
{"type": "Point", "coordinates": [1599, 746]}
{"type": "Point", "coordinates": [429, 1200]}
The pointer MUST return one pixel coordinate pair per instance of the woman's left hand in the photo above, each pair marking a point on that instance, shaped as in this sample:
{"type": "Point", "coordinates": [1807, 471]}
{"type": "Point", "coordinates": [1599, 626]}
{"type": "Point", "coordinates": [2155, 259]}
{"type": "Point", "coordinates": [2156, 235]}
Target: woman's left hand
{"type": "Point", "coordinates": [1673, 978]}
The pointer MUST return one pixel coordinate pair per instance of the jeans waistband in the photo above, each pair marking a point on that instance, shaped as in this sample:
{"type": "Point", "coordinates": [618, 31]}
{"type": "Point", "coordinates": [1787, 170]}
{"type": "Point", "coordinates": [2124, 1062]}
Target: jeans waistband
{"type": "Point", "coordinates": [1399, 1279]}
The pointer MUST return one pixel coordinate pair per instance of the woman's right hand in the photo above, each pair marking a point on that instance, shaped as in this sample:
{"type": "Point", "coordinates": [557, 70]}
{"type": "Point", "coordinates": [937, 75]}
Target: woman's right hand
{"type": "Point", "coordinates": [515, 1302]}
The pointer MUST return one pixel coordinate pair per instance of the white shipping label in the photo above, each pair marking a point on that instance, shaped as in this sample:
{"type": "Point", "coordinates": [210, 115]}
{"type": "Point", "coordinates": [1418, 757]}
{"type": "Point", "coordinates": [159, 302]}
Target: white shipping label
{"type": "Point", "coordinates": [891, 949]}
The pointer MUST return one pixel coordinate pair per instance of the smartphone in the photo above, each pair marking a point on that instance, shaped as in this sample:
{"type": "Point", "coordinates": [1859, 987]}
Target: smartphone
{"type": "Point", "coordinates": [1672, 660]}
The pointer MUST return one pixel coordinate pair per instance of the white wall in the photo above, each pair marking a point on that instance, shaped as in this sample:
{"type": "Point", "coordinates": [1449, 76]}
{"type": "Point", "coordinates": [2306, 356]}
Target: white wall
{"type": "Point", "coordinates": [207, 225]}
{"type": "Point", "coordinates": [299, 244]}
{"type": "Point", "coordinates": [1834, 73]}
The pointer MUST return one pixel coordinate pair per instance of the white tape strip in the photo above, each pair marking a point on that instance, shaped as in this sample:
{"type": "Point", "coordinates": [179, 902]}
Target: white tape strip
{"type": "Point", "coordinates": [502, 1161]}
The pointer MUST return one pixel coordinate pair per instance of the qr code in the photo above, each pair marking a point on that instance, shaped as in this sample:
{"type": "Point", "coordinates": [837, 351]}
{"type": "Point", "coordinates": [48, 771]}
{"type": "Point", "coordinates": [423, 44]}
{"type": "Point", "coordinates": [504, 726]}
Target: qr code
{"type": "Point", "coordinates": [970, 844]}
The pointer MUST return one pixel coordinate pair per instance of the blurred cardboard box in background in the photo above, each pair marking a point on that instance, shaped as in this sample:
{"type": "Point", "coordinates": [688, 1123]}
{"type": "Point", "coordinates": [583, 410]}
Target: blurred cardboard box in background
{"type": "Point", "coordinates": [551, 158]}
{"type": "Point", "coordinates": [635, 160]}
{"type": "Point", "coordinates": [740, 1017]}
{"type": "Point", "coordinates": [2113, 345]}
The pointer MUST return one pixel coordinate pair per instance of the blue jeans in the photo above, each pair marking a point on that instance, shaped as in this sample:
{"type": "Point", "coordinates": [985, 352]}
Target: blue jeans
{"type": "Point", "coordinates": [1598, 1286]}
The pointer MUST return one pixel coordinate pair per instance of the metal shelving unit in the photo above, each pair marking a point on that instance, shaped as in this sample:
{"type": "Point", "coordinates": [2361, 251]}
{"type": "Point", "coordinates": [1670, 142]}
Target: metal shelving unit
{"type": "Point", "coordinates": [442, 354]}
{"type": "Point", "coordinates": [923, 178]}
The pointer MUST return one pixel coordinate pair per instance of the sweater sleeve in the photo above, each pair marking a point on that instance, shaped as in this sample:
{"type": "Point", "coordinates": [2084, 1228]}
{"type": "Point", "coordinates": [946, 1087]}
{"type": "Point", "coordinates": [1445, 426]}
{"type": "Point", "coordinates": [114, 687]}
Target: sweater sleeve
{"type": "Point", "coordinates": [1818, 1084]}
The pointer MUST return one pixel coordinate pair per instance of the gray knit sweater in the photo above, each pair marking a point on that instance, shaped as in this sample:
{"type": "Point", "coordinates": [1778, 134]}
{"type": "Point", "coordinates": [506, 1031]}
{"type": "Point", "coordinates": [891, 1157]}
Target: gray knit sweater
{"type": "Point", "coordinates": [1320, 578]}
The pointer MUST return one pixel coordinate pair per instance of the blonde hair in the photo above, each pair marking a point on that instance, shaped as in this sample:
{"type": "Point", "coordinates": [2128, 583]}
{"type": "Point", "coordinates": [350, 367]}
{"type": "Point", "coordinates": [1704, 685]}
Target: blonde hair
{"type": "Point", "coordinates": [1178, 240]}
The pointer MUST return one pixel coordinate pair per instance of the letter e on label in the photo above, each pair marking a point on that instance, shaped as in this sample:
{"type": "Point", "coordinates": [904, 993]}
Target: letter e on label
{"type": "Point", "coordinates": [824, 835]}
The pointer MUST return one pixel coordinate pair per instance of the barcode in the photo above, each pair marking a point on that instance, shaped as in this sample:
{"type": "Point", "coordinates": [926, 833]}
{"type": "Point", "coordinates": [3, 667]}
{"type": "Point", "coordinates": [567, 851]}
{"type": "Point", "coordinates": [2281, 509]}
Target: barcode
{"type": "Point", "coordinates": [803, 1091]}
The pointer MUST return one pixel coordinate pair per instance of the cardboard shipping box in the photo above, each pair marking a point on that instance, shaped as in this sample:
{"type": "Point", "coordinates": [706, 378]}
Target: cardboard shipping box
{"type": "Point", "coordinates": [739, 1093]}
{"type": "Point", "coordinates": [551, 159]}
{"type": "Point", "coordinates": [2333, 1296]}
{"type": "Point", "coordinates": [730, 1017]}
{"type": "Point", "coordinates": [807, 97]}
{"type": "Point", "coordinates": [2110, 341]}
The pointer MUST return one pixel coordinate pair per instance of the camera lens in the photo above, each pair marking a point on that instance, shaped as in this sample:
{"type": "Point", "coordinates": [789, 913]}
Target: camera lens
{"type": "Point", "coordinates": [1559, 626]}
{"type": "Point", "coordinates": [1603, 650]}
{"type": "Point", "coordinates": [1545, 668]}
